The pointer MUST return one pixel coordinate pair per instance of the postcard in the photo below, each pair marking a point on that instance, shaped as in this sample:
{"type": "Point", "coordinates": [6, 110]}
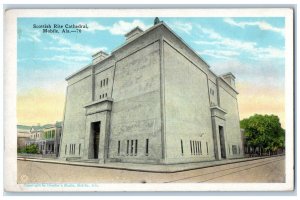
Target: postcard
{"type": "Point", "coordinates": [149, 100]}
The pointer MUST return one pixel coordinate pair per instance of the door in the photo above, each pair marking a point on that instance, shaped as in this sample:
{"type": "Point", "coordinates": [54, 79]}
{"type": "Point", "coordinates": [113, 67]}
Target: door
{"type": "Point", "coordinates": [95, 129]}
{"type": "Point", "coordinates": [222, 142]}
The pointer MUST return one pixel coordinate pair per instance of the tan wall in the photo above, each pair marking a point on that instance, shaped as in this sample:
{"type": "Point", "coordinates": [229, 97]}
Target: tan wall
{"type": "Point", "coordinates": [136, 107]}
{"type": "Point", "coordinates": [188, 116]}
{"type": "Point", "coordinates": [78, 95]}
{"type": "Point", "coordinates": [229, 103]}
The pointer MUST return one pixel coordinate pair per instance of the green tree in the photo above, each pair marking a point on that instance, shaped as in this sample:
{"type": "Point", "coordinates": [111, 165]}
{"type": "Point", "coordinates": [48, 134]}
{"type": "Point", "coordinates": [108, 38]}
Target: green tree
{"type": "Point", "coordinates": [33, 148]}
{"type": "Point", "coordinates": [265, 132]}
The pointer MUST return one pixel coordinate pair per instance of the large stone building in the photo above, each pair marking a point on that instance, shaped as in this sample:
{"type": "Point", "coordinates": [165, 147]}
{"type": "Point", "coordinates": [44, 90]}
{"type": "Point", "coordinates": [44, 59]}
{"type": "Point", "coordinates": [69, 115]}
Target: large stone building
{"type": "Point", "coordinates": [152, 100]}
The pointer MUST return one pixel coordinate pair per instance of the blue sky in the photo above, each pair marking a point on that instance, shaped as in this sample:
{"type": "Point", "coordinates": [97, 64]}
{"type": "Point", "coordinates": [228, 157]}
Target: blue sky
{"type": "Point", "coordinates": [251, 48]}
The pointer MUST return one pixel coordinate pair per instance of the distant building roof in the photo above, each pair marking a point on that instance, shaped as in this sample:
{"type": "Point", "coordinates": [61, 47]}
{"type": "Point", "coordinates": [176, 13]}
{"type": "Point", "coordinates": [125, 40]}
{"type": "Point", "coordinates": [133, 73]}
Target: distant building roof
{"type": "Point", "coordinates": [23, 127]}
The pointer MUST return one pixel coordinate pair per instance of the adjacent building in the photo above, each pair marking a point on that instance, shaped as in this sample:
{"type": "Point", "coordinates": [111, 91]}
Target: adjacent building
{"type": "Point", "coordinates": [23, 135]}
{"type": "Point", "coordinates": [46, 137]}
{"type": "Point", "coordinates": [152, 100]}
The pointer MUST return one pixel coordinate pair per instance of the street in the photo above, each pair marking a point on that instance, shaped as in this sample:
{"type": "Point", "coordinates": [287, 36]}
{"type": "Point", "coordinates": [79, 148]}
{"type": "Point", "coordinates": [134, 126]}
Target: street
{"type": "Point", "coordinates": [267, 170]}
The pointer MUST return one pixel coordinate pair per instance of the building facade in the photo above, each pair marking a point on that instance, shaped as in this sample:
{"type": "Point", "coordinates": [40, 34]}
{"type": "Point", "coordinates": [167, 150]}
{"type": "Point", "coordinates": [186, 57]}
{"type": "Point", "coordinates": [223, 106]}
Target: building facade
{"type": "Point", "coordinates": [23, 136]}
{"type": "Point", "coordinates": [46, 137]}
{"type": "Point", "coordinates": [152, 100]}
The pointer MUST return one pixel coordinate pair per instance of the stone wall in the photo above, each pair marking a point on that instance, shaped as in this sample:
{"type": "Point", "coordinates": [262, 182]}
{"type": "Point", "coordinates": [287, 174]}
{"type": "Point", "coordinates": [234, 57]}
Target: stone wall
{"type": "Point", "coordinates": [188, 117]}
{"type": "Point", "coordinates": [136, 108]}
{"type": "Point", "coordinates": [78, 94]}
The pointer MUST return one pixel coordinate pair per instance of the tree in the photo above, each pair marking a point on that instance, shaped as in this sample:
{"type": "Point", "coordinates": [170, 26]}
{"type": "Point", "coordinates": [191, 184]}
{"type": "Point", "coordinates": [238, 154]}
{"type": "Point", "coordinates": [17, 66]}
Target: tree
{"type": "Point", "coordinates": [33, 148]}
{"type": "Point", "coordinates": [264, 132]}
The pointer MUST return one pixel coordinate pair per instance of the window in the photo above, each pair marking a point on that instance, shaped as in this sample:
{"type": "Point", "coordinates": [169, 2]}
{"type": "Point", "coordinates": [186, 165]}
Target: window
{"type": "Point", "coordinates": [135, 147]}
{"type": "Point", "coordinates": [101, 83]}
{"type": "Point", "coordinates": [181, 147]}
{"type": "Point", "coordinates": [74, 149]}
{"type": "Point", "coordinates": [118, 147]}
{"type": "Point", "coordinates": [229, 149]}
{"type": "Point", "coordinates": [66, 150]}
{"type": "Point", "coordinates": [131, 148]}
{"type": "Point", "coordinates": [206, 148]}
{"type": "Point", "coordinates": [191, 147]}
{"type": "Point", "coordinates": [106, 81]}
{"type": "Point", "coordinates": [147, 147]}
{"type": "Point", "coordinates": [212, 92]}
{"type": "Point", "coordinates": [79, 149]}
{"type": "Point", "coordinates": [200, 148]}
{"type": "Point", "coordinates": [105, 94]}
{"type": "Point", "coordinates": [70, 149]}
{"type": "Point", "coordinates": [127, 148]}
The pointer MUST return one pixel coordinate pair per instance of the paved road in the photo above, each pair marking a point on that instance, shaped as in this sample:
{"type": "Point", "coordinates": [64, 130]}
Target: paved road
{"type": "Point", "coordinates": [259, 171]}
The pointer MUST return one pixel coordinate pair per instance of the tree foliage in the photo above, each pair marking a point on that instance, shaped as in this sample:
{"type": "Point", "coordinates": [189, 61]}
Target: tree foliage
{"type": "Point", "coordinates": [33, 149]}
{"type": "Point", "coordinates": [264, 131]}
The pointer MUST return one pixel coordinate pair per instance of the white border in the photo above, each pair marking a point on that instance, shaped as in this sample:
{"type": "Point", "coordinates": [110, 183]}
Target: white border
{"type": "Point", "coordinates": [10, 75]}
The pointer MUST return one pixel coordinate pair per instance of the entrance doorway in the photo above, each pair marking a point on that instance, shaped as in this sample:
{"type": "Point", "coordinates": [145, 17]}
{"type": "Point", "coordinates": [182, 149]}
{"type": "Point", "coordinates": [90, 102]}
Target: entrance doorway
{"type": "Point", "coordinates": [222, 142]}
{"type": "Point", "coordinates": [95, 131]}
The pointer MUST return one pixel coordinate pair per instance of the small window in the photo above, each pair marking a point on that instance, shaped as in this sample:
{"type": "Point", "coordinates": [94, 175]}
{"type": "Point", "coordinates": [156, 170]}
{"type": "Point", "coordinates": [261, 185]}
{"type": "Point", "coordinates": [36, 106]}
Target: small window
{"type": "Point", "coordinates": [200, 148]}
{"type": "Point", "coordinates": [118, 147]}
{"type": "Point", "coordinates": [194, 147]}
{"type": "Point", "coordinates": [135, 147]}
{"type": "Point", "coordinates": [101, 83]}
{"type": "Point", "coordinates": [105, 94]}
{"type": "Point", "coordinates": [191, 147]}
{"type": "Point", "coordinates": [74, 149]}
{"type": "Point", "coordinates": [229, 149]}
{"type": "Point", "coordinates": [181, 147]}
{"type": "Point", "coordinates": [106, 81]}
{"type": "Point", "coordinates": [147, 147]}
{"type": "Point", "coordinates": [70, 149]}
{"type": "Point", "coordinates": [206, 148]}
{"type": "Point", "coordinates": [79, 147]}
{"type": "Point", "coordinates": [131, 148]}
{"type": "Point", "coordinates": [127, 148]}
{"type": "Point", "coordinates": [66, 150]}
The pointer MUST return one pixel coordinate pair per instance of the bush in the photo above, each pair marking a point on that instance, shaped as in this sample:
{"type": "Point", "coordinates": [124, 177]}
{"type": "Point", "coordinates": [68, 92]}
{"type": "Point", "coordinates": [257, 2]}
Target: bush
{"type": "Point", "coordinates": [33, 149]}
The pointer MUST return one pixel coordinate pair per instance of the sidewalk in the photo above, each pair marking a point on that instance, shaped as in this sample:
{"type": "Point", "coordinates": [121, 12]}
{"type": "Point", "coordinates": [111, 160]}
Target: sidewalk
{"type": "Point", "coordinates": [171, 168]}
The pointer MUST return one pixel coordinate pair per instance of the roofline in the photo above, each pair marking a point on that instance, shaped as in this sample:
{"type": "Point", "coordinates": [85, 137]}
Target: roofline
{"type": "Point", "coordinates": [133, 30]}
{"type": "Point", "coordinates": [161, 23]}
{"type": "Point", "coordinates": [80, 70]}
{"type": "Point", "coordinates": [228, 73]}
{"type": "Point", "coordinates": [93, 55]}
{"type": "Point", "coordinates": [221, 78]}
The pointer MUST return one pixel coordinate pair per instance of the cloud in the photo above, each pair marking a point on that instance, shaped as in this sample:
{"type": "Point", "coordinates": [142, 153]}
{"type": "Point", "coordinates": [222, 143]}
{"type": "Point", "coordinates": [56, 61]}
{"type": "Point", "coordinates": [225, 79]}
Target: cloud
{"type": "Point", "coordinates": [30, 35]}
{"type": "Point", "coordinates": [119, 28]}
{"type": "Point", "coordinates": [228, 44]}
{"type": "Point", "coordinates": [67, 45]}
{"type": "Point", "coordinates": [184, 27]}
{"type": "Point", "coordinates": [94, 26]}
{"type": "Point", "coordinates": [262, 25]}
{"type": "Point", "coordinates": [122, 27]}
{"type": "Point", "coordinates": [65, 59]}
{"type": "Point", "coordinates": [223, 54]}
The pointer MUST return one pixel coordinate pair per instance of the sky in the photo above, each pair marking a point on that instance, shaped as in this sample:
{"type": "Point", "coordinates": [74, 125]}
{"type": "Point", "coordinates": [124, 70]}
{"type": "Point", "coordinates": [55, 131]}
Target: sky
{"type": "Point", "coordinates": [252, 48]}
